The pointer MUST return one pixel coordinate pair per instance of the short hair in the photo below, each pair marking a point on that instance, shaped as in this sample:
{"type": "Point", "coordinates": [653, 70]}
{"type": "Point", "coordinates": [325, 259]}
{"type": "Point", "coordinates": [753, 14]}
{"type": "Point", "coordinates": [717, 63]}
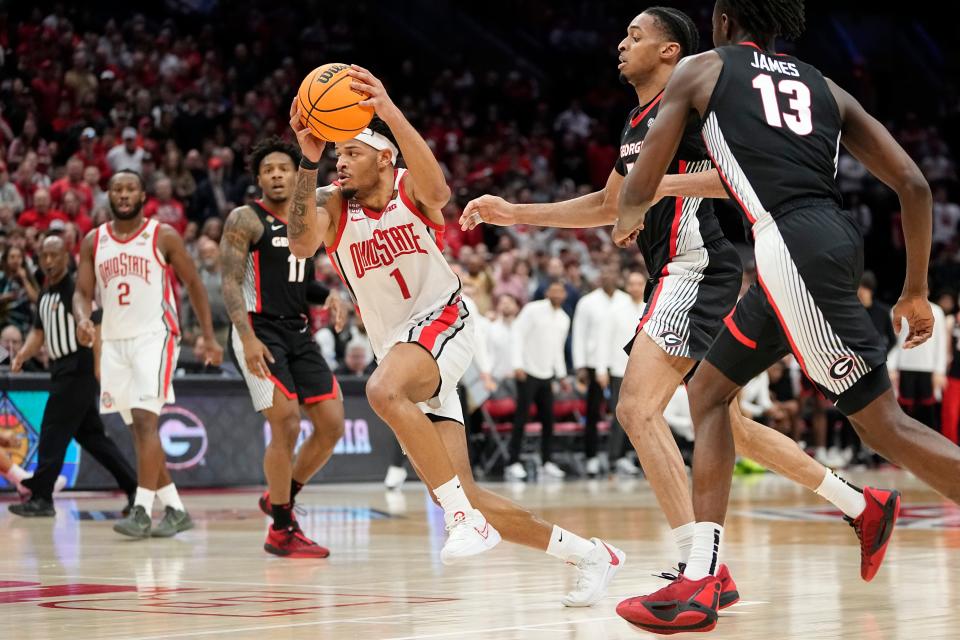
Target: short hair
{"type": "Point", "coordinates": [143, 184]}
{"type": "Point", "coordinates": [868, 281]}
{"type": "Point", "coordinates": [553, 281]}
{"type": "Point", "coordinates": [767, 18]}
{"type": "Point", "coordinates": [379, 126]}
{"type": "Point", "coordinates": [273, 144]}
{"type": "Point", "coordinates": [678, 27]}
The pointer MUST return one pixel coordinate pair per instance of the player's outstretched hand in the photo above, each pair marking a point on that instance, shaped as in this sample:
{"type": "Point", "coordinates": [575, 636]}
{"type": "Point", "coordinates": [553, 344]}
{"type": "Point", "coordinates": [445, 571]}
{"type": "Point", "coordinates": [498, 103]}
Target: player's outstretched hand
{"type": "Point", "coordinates": [916, 311]}
{"type": "Point", "coordinates": [310, 145]}
{"type": "Point", "coordinates": [257, 356]}
{"type": "Point", "coordinates": [338, 311]}
{"type": "Point", "coordinates": [86, 332]}
{"type": "Point", "coordinates": [365, 82]}
{"type": "Point", "coordinates": [489, 209]}
{"type": "Point", "coordinates": [622, 237]}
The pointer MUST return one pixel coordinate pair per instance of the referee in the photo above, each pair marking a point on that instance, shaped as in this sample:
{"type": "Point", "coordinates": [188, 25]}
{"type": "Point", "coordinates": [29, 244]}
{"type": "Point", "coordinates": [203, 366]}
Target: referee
{"type": "Point", "coordinates": [72, 410]}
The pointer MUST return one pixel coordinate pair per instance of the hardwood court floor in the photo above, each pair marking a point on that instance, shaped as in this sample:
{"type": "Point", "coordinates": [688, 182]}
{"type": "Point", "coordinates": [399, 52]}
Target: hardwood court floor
{"type": "Point", "coordinates": [796, 565]}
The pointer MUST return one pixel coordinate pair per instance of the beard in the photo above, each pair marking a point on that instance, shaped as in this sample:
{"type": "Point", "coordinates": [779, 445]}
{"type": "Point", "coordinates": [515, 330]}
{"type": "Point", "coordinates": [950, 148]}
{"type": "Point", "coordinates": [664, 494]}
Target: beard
{"type": "Point", "coordinates": [348, 192]}
{"type": "Point", "coordinates": [126, 216]}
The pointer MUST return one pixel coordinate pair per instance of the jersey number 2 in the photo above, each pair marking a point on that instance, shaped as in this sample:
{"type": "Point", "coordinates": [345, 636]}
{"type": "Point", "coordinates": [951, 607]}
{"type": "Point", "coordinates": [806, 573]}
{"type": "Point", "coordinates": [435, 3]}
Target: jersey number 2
{"type": "Point", "coordinates": [401, 283]}
{"type": "Point", "coordinates": [800, 122]}
{"type": "Point", "coordinates": [124, 289]}
{"type": "Point", "coordinates": [298, 269]}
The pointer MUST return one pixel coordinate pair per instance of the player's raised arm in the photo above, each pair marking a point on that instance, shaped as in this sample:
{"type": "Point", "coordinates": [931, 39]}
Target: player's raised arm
{"type": "Point", "coordinates": [172, 248]}
{"type": "Point", "coordinates": [639, 189]}
{"type": "Point", "coordinates": [871, 143]}
{"type": "Point", "coordinates": [309, 221]}
{"type": "Point", "coordinates": [425, 182]}
{"type": "Point", "coordinates": [84, 291]}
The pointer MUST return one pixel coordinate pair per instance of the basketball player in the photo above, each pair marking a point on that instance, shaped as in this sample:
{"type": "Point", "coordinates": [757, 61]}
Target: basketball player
{"type": "Point", "coordinates": [267, 291]}
{"type": "Point", "coordinates": [383, 231]}
{"type": "Point", "coordinates": [128, 262]}
{"type": "Point", "coordinates": [772, 125]}
{"type": "Point", "coordinates": [695, 276]}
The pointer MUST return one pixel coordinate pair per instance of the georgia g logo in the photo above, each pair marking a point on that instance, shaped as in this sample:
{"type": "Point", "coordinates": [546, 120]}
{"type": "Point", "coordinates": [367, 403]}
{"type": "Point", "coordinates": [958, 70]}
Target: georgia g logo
{"type": "Point", "coordinates": [841, 368]}
{"type": "Point", "coordinates": [671, 339]}
{"type": "Point", "coordinates": [183, 436]}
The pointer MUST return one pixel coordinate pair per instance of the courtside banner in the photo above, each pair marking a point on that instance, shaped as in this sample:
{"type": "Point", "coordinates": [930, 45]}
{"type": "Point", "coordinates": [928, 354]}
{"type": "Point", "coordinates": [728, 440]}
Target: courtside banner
{"type": "Point", "coordinates": [211, 435]}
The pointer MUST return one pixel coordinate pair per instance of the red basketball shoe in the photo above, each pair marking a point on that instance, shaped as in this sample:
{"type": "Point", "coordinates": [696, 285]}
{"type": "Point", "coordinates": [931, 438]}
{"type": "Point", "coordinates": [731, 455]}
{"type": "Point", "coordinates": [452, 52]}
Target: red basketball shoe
{"type": "Point", "coordinates": [729, 595]}
{"type": "Point", "coordinates": [684, 605]}
{"type": "Point", "coordinates": [874, 528]}
{"type": "Point", "coordinates": [292, 543]}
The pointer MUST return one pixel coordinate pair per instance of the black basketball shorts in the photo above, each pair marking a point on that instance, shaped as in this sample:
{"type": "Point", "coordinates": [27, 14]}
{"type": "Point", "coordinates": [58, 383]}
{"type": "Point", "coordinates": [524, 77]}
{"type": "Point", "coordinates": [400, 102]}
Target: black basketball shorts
{"type": "Point", "coordinates": [688, 299]}
{"type": "Point", "coordinates": [299, 370]}
{"type": "Point", "coordinates": [809, 261]}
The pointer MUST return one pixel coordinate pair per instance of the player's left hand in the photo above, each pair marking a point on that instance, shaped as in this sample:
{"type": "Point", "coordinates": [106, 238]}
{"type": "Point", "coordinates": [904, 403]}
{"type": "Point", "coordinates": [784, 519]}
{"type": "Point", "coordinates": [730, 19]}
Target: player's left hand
{"type": "Point", "coordinates": [210, 350]}
{"type": "Point", "coordinates": [366, 82]}
{"type": "Point", "coordinates": [916, 311]}
{"type": "Point", "coordinates": [623, 237]}
{"type": "Point", "coordinates": [338, 311]}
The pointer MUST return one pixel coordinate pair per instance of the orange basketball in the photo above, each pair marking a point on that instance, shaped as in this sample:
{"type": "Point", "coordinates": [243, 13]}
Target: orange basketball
{"type": "Point", "coordinates": [329, 107]}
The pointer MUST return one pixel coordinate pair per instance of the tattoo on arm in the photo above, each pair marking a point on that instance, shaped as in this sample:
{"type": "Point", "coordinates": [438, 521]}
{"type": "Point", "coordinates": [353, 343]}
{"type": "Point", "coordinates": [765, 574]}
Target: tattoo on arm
{"type": "Point", "coordinates": [298, 224]}
{"type": "Point", "coordinates": [242, 228]}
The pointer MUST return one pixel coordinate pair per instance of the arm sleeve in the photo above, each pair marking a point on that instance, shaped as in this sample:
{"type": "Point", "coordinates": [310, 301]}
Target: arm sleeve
{"type": "Point", "coordinates": [316, 292]}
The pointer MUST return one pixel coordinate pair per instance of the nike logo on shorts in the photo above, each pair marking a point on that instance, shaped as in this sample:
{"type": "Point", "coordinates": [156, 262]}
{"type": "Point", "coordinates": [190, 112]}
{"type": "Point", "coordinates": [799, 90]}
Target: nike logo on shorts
{"type": "Point", "coordinates": [275, 227]}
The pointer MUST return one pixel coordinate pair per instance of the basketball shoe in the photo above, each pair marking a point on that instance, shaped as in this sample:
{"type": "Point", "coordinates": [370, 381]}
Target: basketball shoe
{"type": "Point", "coordinates": [594, 573]}
{"type": "Point", "coordinates": [684, 605]}
{"type": "Point", "coordinates": [292, 543]}
{"type": "Point", "coordinates": [135, 525]}
{"type": "Point", "coordinates": [174, 521]}
{"type": "Point", "coordinates": [729, 595]}
{"type": "Point", "coordinates": [874, 527]}
{"type": "Point", "coordinates": [469, 535]}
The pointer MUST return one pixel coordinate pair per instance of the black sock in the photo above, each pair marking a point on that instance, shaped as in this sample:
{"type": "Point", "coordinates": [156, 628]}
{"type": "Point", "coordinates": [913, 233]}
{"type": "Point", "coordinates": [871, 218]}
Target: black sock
{"type": "Point", "coordinates": [295, 489]}
{"type": "Point", "coordinates": [282, 515]}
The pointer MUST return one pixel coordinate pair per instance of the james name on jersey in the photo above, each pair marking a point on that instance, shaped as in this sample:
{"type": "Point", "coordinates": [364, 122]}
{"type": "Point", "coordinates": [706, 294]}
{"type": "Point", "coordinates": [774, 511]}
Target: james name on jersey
{"type": "Point", "coordinates": [383, 248]}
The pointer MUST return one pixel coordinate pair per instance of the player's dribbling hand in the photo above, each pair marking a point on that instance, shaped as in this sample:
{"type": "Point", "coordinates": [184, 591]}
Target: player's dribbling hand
{"type": "Point", "coordinates": [489, 209]}
{"type": "Point", "coordinates": [366, 82]}
{"type": "Point", "coordinates": [916, 311]}
{"type": "Point", "coordinates": [86, 332]}
{"type": "Point", "coordinates": [310, 145]}
{"type": "Point", "coordinates": [622, 237]}
{"type": "Point", "coordinates": [257, 355]}
{"type": "Point", "coordinates": [338, 311]}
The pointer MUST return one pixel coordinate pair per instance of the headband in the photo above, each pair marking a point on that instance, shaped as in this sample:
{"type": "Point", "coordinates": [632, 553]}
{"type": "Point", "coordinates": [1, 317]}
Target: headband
{"type": "Point", "coordinates": [379, 142]}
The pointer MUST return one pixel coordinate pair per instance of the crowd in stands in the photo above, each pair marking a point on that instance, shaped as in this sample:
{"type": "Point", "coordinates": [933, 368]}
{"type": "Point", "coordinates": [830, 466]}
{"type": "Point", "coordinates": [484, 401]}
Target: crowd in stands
{"type": "Point", "coordinates": [181, 100]}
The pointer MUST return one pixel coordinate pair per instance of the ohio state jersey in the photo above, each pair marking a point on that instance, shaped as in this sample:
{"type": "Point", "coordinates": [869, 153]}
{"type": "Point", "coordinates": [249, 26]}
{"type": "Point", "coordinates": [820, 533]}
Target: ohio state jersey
{"type": "Point", "coordinates": [134, 282]}
{"type": "Point", "coordinates": [393, 265]}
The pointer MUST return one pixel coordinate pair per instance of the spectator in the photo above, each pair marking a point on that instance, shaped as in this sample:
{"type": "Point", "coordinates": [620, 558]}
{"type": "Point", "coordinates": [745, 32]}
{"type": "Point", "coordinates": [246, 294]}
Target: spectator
{"type": "Point", "coordinates": [209, 269]}
{"type": "Point", "coordinates": [879, 313]}
{"type": "Point", "coordinates": [28, 179]}
{"type": "Point", "coordinates": [479, 279]}
{"type": "Point", "coordinates": [11, 341]}
{"type": "Point", "coordinates": [946, 217]}
{"type": "Point", "coordinates": [213, 198]}
{"type": "Point", "coordinates": [92, 154]}
{"type": "Point", "coordinates": [72, 182]}
{"type": "Point", "coordinates": [29, 140]}
{"type": "Point", "coordinates": [9, 195]}
{"type": "Point", "coordinates": [126, 156]}
{"type": "Point", "coordinates": [498, 339]}
{"type": "Point", "coordinates": [91, 177]}
{"type": "Point", "coordinates": [574, 120]}
{"type": "Point", "coordinates": [755, 400]}
{"type": "Point", "coordinates": [356, 360]}
{"type": "Point", "coordinates": [919, 375]}
{"type": "Point", "coordinates": [555, 271]}
{"type": "Point", "coordinates": [173, 168]}
{"type": "Point", "coordinates": [538, 337]}
{"type": "Point", "coordinates": [79, 80]}
{"type": "Point", "coordinates": [75, 212]}
{"type": "Point", "coordinates": [18, 290]}
{"type": "Point", "coordinates": [165, 207]}
{"type": "Point", "coordinates": [42, 213]}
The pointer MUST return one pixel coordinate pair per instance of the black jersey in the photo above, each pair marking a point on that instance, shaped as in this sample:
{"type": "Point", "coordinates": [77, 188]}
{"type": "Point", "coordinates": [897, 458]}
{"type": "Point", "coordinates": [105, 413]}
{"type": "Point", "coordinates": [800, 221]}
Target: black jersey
{"type": "Point", "coordinates": [672, 226]}
{"type": "Point", "coordinates": [275, 281]}
{"type": "Point", "coordinates": [772, 127]}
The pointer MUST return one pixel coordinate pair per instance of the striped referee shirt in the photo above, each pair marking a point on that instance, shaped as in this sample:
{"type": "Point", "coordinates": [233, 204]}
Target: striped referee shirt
{"type": "Point", "coordinates": [55, 317]}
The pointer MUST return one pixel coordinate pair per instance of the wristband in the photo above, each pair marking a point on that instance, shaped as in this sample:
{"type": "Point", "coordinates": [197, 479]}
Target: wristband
{"type": "Point", "coordinates": [309, 165]}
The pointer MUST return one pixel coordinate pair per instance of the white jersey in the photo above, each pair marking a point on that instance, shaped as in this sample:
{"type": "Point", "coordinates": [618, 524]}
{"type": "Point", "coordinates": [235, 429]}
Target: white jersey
{"type": "Point", "coordinates": [393, 265]}
{"type": "Point", "coordinates": [134, 282]}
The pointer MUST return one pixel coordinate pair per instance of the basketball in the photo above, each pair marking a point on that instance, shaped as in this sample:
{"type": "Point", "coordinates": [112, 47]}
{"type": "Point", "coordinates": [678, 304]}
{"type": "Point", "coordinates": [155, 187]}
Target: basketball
{"type": "Point", "coordinates": [329, 107]}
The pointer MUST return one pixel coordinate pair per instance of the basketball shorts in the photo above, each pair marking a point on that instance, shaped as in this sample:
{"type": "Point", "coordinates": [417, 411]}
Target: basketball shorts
{"type": "Point", "coordinates": [809, 261]}
{"type": "Point", "coordinates": [299, 370]}
{"type": "Point", "coordinates": [137, 373]}
{"type": "Point", "coordinates": [449, 335]}
{"type": "Point", "coordinates": [686, 303]}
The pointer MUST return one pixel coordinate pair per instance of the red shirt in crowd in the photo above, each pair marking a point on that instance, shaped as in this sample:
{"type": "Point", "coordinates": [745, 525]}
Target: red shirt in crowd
{"type": "Point", "coordinates": [33, 218]}
{"type": "Point", "coordinates": [171, 212]}
{"type": "Point", "coordinates": [60, 187]}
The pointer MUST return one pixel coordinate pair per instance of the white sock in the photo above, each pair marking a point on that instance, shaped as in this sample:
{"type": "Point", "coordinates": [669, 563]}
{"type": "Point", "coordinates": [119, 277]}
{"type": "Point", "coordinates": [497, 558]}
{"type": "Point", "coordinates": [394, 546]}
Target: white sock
{"type": "Point", "coordinates": [169, 497]}
{"type": "Point", "coordinates": [15, 474]}
{"type": "Point", "coordinates": [841, 494]}
{"type": "Point", "coordinates": [705, 554]}
{"type": "Point", "coordinates": [683, 538]}
{"type": "Point", "coordinates": [144, 499]}
{"type": "Point", "coordinates": [568, 546]}
{"type": "Point", "coordinates": [452, 498]}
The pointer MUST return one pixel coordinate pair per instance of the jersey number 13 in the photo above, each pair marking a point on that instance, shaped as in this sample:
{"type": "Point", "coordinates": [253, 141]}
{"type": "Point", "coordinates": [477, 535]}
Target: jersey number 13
{"type": "Point", "coordinates": [801, 120]}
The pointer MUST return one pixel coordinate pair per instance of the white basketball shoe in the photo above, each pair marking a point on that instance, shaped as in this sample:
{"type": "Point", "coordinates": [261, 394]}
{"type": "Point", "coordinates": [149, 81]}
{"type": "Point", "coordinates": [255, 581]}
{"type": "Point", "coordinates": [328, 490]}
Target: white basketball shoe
{"type": "Point", "coordinates": [469, 534]}
{"type": "Point", "coordinates": [594, 573]}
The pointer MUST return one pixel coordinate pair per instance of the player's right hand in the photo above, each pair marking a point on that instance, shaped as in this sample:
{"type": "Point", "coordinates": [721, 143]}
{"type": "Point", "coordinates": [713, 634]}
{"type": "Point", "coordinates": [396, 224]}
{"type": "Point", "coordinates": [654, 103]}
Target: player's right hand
{"type": "Point", "coordinates": [916, 311]}
{"type": "Point", "coordinates": [257, 356]}
{"type": "Point", "coordinates": [489, 209]}
{"type": "Point", "coordinates": [310, 145]}
{"type": "Point", "coordinates": [86, 332]}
